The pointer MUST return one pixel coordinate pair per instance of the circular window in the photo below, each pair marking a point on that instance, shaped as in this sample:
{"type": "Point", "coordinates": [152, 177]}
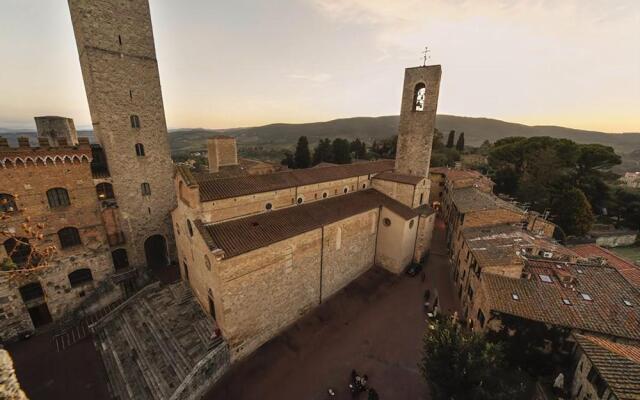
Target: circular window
{"type": "Point", "coordinates": [386, 222]}
{"type": "Point", "coordinates": [345, 190]}
{"type": "Point", "coordinates": [324, 195]}
{"type": "Point", "coordinates": [300, 200]}
{"type": "Point", "coordinates": [411, 224]}
{"type": "Point", "coordinates": [268, 206]}
{"type": "Point", "coordinates": [189, 228]}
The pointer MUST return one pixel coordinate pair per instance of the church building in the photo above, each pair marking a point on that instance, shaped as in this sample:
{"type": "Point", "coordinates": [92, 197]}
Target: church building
{"type": "Point", "coordinates": [259, 251]}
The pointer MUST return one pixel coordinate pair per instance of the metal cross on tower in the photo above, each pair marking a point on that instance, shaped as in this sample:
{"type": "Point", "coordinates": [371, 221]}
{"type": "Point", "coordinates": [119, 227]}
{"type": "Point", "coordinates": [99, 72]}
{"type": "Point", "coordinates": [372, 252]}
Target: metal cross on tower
{"type": "Point", "coordinates": [425, 55]}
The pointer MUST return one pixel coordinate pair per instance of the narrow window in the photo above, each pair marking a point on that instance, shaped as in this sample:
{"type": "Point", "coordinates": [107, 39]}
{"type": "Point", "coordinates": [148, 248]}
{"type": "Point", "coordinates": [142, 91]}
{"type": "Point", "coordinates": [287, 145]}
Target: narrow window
{"type": "Point", "coordinates": [80, 277]}
{"type": "Point", "coordinates": [339, 239]}
{"type": "Point", "coordinates": [7, 203]}
{"type": "Point", "coordinates": [58, 197]}
{"type": "Point", "coordinates": [419, 97]}
{"type": "Point", "coordinates": [69, 237]}
{"type": "Point", "coordinates": [481, 318]}
{"type": "Point", "coordinates": [120, 40]}
{"type": "Point", "coordinates": [146, 189]}
{"type": "Point", "coordinates": [139, 150]}
{"type": "Point", "coordinates": [189, 227]}
{"type": "Point", "coordinates": [130, 94]}
{"type": "Point", "coordinates": [207, 263]}
{"type": "Point", "coordinates": [135, 121]}
{"type": "Point", "coordinates": [421, 198]}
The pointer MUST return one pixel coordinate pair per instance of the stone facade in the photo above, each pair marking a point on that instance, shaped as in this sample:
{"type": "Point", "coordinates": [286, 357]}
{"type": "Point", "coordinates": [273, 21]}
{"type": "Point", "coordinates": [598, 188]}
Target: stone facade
{"type": "Point", "coordinates": [417, 119]}
{"type": "Point", "coordinates": [221, 152]}
{"type": "Point", "coordinates": [120, 71]}
{"type": "Point", "coordinates": [54, 128]}
{"type": "Point", "coordinates": [30, 174]}
{"type": "Point", "coordinates": [9, 385]}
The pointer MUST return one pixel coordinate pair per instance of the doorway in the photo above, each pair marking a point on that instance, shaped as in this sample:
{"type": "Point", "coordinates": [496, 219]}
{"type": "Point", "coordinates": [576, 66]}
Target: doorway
{"type": "Point", "coordinates": [40, 315]}
{"type": "Point", "coordinates": [155, 250]}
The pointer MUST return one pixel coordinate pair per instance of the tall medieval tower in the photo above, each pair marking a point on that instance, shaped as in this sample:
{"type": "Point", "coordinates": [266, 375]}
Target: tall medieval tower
{"type": "Point", "coordinates": [417, 119]}
{"type": "Point", "coordinates": [122, 82]}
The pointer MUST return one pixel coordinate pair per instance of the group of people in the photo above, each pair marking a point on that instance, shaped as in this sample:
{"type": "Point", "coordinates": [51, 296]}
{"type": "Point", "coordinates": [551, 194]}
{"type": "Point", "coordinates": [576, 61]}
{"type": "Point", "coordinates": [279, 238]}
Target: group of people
{"type": "Point", "coordinates": [357, 385]}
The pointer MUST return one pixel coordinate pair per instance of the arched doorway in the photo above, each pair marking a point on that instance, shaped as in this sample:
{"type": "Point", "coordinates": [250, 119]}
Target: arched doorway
{"type": "Point", "coordinates": [155, 250]}
{"type": "Point", "coordinates": [120, 259]}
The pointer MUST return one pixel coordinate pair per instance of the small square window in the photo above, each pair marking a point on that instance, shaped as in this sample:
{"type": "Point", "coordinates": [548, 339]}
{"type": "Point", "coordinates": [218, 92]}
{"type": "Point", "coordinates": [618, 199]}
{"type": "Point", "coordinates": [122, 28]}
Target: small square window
{"type": "Point", "coordinates": [566, 301]}
{"type": "Point", "coordinates": [546, 278]}
{"type": "Point", "coordinates": [515, 296]}
{"type": "Point", "coordinates": [586, 296]}
{"type": "Point", "coordinates": [627, 303]}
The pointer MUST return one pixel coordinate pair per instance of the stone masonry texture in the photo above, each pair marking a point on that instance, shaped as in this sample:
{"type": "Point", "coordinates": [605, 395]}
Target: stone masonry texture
{"type": "Point", "coordinates": [121, 78]}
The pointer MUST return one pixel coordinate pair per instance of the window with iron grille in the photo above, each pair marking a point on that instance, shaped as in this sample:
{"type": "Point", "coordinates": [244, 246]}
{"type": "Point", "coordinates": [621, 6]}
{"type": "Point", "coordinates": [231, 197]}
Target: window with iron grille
{"type": "Point", "coordinates": [7, 203]}
{"type": "Point", "coordinates": [69, 237]}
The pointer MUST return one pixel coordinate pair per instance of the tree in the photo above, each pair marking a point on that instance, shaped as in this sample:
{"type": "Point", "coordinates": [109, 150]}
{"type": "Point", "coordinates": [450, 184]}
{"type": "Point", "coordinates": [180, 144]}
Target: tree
{"type": "Point", "coordinates": [460, 142]}
{"type": "Point", "coordinates": [359, 149]}
{"type": "Point", "coordinates": [625, 205]}
{"type": "Point", "coordinates": [341, 151]}
{"type": "Point", "coordinates": [437, 140]}
{"type": "Point", "coordinates": [323, 152]}
{"type": "Point", "coordinates": [302, 157]}
{"type": "Point", "coordinates": [386, 148]}
{"type": "Point", "coordinates": [462, 365]}
{"type": "Point", "coordinates": [451, 138]}
{"type": "Point", "coordinates": [572, 212]}
{"type": "Point", "coordinates": [288, 160]}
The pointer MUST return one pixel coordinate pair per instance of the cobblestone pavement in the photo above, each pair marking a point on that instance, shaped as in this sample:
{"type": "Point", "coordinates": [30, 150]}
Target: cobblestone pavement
{"type": "Point", "coordinates": [374, 326]}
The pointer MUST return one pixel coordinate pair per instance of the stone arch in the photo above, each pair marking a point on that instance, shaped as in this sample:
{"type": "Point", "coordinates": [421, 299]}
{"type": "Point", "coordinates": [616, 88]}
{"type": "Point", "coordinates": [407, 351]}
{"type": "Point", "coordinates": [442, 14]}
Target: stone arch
{"type": "Point", "coordinates": [419, 96]}
{"type": "Point", "coordinates": [155, 251]}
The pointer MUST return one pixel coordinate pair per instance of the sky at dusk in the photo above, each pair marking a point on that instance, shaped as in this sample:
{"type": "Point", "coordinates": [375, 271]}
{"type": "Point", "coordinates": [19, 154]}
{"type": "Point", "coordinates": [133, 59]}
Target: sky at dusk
{"type": "Point", "coordinates": [223, 64]}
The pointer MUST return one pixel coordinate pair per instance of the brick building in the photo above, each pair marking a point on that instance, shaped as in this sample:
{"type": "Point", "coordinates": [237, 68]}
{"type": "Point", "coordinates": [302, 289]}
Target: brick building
{"type": "Point", "coordinates": [261, 250]}
{"type": "Point", "coordinates": [52, 185]}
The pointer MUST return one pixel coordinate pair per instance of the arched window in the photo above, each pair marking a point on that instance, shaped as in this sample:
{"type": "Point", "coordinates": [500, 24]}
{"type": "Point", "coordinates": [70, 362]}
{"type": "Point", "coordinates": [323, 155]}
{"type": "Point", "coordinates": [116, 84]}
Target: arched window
{"type": "Point", "coordinates": [189, 228]}
{"type": "Point", "coordinates": [31, 291]}
{"type": "Point", "coordinates": [80, 277]}
{"type": "Point", "coordinates": [69, 237]}
{"type": "Point", "coordinates": [145, 189]}
{"type": "Point", "coordinates": [104, 191]}
{"type": "Point", "coordinates": [419, 95]}
{"type": "Point", "coordinates": [58, 197]}
{"type": "Point", "coordinates": [135, 121]}
{"type": "Point", "coordinates": [7, 203]}
{"type": "Point", "coordinates": [120, 259]}
{"type": "Point", "coordinates": [18, 249]}
{"type": "Point", "coordinates": [139, 150]}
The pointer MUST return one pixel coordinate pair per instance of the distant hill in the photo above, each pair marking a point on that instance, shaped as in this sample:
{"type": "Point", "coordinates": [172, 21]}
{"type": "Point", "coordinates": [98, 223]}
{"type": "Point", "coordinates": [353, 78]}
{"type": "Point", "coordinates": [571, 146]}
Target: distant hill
{"type": "Point", "coordinates": [476, 131]}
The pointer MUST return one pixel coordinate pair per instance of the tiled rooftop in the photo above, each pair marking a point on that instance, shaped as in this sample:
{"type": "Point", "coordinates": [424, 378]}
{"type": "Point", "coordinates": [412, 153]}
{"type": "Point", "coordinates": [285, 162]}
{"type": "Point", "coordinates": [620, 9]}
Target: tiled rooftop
{"type": "Point", "coordinates": [400, 178]}
{"type": "Point", "coordinates": [505, 244]}
{"type": "Point", "coordinates": [618, 364]}
{"type": "Point", "coordinates": [245, 234]}
{"type": "Point", "coordinates": [599, 298]}
{"type": "Point", "coordinates": [212, 188]}
{"type": "Point", "coordinates": [470, 199]}
{"type": "Point", "coordinates": [630, 271]}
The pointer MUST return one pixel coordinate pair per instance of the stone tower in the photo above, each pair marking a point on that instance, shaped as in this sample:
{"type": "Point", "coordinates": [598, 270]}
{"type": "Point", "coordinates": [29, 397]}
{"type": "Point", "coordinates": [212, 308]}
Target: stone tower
{"type": "Point", "coordinates": [57, 128]}
{"type": "Point", "coordinates": [121, 79]}
{"type": "Point", "coordinates": [417, 119]}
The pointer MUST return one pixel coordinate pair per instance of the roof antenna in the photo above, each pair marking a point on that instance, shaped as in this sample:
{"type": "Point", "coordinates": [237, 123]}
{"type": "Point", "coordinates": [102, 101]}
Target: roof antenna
{"type": "Point", "coordinates": [425, 56]}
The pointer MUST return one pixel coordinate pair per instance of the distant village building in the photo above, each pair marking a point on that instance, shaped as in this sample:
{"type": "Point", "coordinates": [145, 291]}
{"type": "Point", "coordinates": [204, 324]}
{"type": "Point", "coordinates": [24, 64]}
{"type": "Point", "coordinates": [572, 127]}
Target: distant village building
{"type": "Point", "coordinates": [631, 179]}
{"type": "Point", "coordinates": [609, 236]}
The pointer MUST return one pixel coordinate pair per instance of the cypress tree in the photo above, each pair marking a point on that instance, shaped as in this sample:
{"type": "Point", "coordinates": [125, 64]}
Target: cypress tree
{"type": "Point", "coordinates": [302, 157]}
{"type": "Point", "coordinates": [460, 142]}
{"type": "Point", "coordinates": [450, 139]}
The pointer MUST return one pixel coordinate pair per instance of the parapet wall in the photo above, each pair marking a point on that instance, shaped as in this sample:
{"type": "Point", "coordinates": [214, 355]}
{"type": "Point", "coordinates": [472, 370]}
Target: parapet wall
{"type": "Point", "coordinates": [43, 153]}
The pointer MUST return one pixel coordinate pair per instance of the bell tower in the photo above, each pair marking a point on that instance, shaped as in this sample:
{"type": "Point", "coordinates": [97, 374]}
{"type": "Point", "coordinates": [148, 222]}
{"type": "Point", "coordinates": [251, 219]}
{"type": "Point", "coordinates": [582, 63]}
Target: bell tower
{"type": "Point", "coordinates": [417, 119]}
{"type": "Point", "coordinates": [118, 61]}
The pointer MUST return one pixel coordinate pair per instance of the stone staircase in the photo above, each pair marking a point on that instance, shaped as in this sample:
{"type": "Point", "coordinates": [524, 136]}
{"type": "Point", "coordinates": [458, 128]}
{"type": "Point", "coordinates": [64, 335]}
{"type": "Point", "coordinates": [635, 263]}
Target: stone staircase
{"type": "Point", "coordinates": [155, 340]}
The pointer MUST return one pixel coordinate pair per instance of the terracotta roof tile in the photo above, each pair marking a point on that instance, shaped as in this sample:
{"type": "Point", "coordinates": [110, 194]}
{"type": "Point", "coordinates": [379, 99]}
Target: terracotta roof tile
{"type": "Point", "coordinates": [541, 301]}
{"type": "Point", "coordinates": [469, 199]}
{"type": "Point", "coordinates": [245, 234]}
{"type": "Point", "coordinates": [216, 189]}
{"type": "Point", "coordinates": [618, 364]}
{"type": "Point", "coordinates": [400, 178]}
{"type": "Point", "coordinates": [629, 270]}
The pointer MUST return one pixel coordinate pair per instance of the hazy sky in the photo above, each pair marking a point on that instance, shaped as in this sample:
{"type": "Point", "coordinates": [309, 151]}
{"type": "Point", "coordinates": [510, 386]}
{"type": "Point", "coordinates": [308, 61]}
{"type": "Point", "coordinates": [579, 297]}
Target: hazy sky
{"type": "Point", "coordinates": [229, 63]}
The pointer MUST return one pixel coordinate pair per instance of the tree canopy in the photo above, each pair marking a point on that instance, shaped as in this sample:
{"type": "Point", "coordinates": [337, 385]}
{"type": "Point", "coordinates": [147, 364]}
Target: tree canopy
{"type": "Point", "coordinates": [461, 365]}
{"type": "Point", "coordinates": [302, 156]}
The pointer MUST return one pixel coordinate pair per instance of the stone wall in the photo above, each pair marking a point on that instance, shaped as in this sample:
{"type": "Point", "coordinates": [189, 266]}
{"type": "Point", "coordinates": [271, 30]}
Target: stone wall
{"type": "Point", "coordinates": [617, 240]}
{"type": "Point", "coordinates": [221, 151]}
{"type": "Point", "coordinates": [54, 128]}
{"type": "Point", "coordinates": [204, 375]}
{"type": "Point", "coordinates": [425, 234]}
{"type": "Point", "coordinates": [396, 241]}
{"type": "Point", "coordinates": [402, 192]}
{"type": "Point", "coordinates": [9, 385]}
{"type": "Point", "coordinates": [121, 79]}
{"type": "Point", "coordinates": [415, 132]}
{"type": "Point", "coordinates": [30, 183]}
